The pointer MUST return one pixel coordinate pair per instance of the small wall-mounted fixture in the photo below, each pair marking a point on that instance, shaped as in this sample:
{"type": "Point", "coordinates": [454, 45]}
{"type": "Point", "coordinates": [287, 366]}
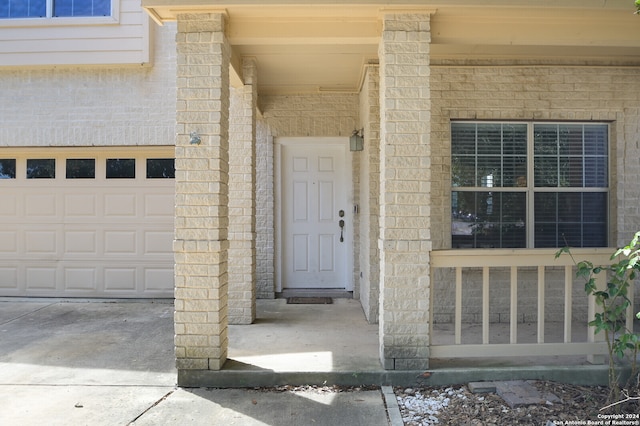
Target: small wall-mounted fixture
{"type": "Point", "coordinates": [195, 138]}
{"type": "Point", "coordinates": [356, 141]}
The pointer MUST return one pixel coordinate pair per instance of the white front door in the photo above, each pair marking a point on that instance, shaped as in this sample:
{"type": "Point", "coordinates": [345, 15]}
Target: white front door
{"type": "Point", "coordinates": [314, 202]}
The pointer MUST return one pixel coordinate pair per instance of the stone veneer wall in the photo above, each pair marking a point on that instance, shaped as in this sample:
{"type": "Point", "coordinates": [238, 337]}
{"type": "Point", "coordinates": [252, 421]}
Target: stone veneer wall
{"type": "Point", "coordinates": [242, 197]}
{"type": "Point", "coordinates": [369, 196]}
{"type": "Point", "coordinates": [326, 114]}
{"type": "Point", "coordinates": [609, 94]}
{"type": "Point", "coordinates": [265, 208]}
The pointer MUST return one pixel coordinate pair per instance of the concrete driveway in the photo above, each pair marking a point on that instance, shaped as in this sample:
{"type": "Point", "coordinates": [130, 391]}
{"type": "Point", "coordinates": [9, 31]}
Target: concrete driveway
{"type": "Point", "coordinates": [83, 362]}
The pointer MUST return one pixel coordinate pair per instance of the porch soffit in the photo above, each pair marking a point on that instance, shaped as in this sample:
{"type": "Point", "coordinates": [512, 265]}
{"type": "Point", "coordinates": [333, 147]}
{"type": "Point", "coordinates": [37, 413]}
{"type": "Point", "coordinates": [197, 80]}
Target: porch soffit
{"type": "Point", "coordinates": [320, 46]}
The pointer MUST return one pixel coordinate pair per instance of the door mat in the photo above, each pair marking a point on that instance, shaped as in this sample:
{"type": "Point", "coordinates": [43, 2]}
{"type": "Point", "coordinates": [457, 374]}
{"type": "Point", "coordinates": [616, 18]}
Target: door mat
{"type": "Point", "coordinates": [309, 300]}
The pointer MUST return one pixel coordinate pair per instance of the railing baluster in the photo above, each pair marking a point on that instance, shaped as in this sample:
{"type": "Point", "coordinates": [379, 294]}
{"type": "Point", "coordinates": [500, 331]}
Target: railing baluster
{"type": "Point", "coordinates": [601, 284]}
{"type": "Point", "coordinates": [513, 310]}
{"type": "Point", "coordinates": [432, 276]}
{"type": "Point", "coordinates": [540, 304]}
{"type": "Point", "coordinates": [458, 319]}
{"type": "Point", "coordinates": [485, 305]}
{"type": "Point", "coordinates": [630, 311]}
{"type": "Point", "coordinates": [568, 297]}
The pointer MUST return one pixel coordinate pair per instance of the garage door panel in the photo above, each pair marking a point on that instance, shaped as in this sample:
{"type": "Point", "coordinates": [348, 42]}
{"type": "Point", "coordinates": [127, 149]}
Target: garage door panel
{"type": "Point", "coordinates": [158, 242]}
{"type": "Point", "coordinates": [8, 205]}
{"type": "Point", "coordinates": [159, 205]}
{"type": "Point", "coordinates": [81, 242]}
{"type": "Point", "coordinates": [120, 279]}
{"type": "Point", "coordinates": [121, 205]}
{"type": "Point", "coordinates": [40, 205]}
{"type": "Point", "coordinates": [80, 205]}
{"type": "Point", "coordinates": [158, 279]}
{"type": "Point", "coordinates": [9, 278]}
{"type": "Point", "coordinates": [41, 278]}
{"type": "Point", "coordinates": [78, 278]}
{"type": "Point", "coordinates": [120, 242]}
{"type": "Point", "coordinates": [9, 242]}
{"type": "Point", "coordinates": [41, 242]}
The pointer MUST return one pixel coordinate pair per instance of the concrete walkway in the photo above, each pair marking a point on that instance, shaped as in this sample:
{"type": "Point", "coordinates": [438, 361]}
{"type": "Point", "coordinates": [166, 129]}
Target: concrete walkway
{"type": "Point", "coordinates": [112, 363]}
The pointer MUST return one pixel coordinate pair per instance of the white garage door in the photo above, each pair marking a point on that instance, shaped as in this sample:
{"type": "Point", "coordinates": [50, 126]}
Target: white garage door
{"type": "Point", "coordinates": [86, 222]}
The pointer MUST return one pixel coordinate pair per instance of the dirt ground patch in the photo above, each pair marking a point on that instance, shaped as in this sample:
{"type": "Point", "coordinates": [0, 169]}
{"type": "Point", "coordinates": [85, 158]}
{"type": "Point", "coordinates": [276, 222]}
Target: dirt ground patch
{"type": "Point", "coordinates": [456, 405]}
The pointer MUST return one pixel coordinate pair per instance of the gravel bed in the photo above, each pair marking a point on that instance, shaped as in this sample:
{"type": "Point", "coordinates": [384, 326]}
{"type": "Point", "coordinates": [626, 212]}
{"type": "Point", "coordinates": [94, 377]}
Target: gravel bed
{"type": "Point", "coordinates": [456, 405]}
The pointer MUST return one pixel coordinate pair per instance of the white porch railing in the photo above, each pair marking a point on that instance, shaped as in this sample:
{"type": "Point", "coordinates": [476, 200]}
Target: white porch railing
{"type": "Point", "coordinates": [593, 345]}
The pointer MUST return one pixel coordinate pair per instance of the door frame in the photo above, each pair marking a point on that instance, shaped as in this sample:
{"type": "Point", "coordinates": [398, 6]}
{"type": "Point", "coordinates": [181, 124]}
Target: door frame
{"type": "Point", "coordinates": [278, 143]}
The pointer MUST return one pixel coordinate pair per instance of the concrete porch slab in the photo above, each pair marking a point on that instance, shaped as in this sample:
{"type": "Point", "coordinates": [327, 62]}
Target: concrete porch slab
{"type": "Point", "coordinates": [334, 345]}
{"type": "Point", "coordinates": [311, 338]}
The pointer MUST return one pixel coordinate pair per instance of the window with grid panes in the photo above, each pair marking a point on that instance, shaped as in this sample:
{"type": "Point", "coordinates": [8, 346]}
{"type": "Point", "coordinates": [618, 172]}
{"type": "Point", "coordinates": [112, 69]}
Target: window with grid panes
{"type": "Point", "coordinates": [517, 185]}
{"type": "Point", "coordinates": [13, 9]}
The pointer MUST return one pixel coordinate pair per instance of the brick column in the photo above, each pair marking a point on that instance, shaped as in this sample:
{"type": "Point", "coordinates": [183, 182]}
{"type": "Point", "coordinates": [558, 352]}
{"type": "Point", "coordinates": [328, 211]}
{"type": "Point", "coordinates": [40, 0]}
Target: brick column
{"type": "Point", "coordinates": [242, 199]}
{"type": "Point", "coordinates": [405, 240]}
{"type": "Point", "coordinates": [201, 220]}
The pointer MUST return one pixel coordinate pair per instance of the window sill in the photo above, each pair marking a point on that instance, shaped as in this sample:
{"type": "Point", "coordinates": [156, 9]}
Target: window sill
{"type": "Point", "coordinates": [58, 22]}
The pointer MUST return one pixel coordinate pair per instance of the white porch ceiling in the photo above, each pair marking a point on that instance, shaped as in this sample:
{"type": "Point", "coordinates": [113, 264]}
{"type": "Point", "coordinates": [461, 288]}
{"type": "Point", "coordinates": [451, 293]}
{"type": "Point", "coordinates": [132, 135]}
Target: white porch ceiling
{"type": "Point", "coordinates": [320, 46]}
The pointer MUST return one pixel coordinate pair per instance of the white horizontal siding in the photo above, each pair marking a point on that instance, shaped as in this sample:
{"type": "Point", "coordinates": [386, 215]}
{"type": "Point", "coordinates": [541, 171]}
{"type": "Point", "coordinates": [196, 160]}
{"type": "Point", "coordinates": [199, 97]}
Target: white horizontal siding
{"type": "Point", "coordinates": [123, 39]}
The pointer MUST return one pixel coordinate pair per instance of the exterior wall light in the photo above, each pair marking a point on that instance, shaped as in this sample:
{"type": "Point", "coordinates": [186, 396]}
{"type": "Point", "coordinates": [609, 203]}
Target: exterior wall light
{"type": "Point", "coordinates": [195, 138]}
{"type": "Point", "coordinates": [356, 141]}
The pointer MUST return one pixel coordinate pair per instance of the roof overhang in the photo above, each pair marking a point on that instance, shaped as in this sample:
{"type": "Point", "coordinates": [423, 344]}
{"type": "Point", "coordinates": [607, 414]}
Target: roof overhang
{"type": "Point", "coordinates": [321, 46]}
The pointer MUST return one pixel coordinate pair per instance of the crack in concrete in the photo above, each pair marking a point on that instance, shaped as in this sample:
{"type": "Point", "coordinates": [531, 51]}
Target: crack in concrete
{"type": "Point", "coordinates": [27, 314]}
{"type": "Point", "coordinates": [155, 404]}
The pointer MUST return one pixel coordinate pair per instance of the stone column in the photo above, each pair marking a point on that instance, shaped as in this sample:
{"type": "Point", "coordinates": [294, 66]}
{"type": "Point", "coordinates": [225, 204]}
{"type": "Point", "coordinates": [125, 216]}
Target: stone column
{"type": "Point", "coordinates": [242, 199]}
{"type": "Point", "coordinates": [370, 194]}
{"type": "Point", "coordinates": [405, 238]}
{"type": "Point", "coordinates": [201, 217]}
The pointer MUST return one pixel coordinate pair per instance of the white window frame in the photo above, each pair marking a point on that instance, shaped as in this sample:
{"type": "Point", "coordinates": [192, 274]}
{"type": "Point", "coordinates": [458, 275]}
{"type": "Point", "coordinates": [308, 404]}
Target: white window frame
{"type": "Point", "coordinates": [50, 21]}
{"type": "Point", "coordinates": [530, 189]}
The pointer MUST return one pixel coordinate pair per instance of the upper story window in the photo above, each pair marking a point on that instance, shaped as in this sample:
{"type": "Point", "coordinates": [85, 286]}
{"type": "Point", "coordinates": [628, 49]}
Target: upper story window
{"type": "Point", "coordinates": [15, 9]}
{"type": "Point", "coordinates": [529, 184]}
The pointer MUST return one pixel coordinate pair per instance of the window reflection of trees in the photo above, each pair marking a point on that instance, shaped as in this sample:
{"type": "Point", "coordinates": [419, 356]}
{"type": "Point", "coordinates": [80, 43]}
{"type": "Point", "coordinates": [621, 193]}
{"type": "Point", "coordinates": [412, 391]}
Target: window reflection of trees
{"type": "Point", "coordinates": [161, 168]}
{"type": "Point", "coordinates": [7, 168]}
{"type": "Point", "coordinates": [488, 158]}
{"type": "Point", "coordinates": [489, 155]}
{"type": "Point", "coordinates": [41, 168]}
{"type": "Point", "coordinates": [81, 168]}
{"type": "Point", "coordinates": [121, 168]}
